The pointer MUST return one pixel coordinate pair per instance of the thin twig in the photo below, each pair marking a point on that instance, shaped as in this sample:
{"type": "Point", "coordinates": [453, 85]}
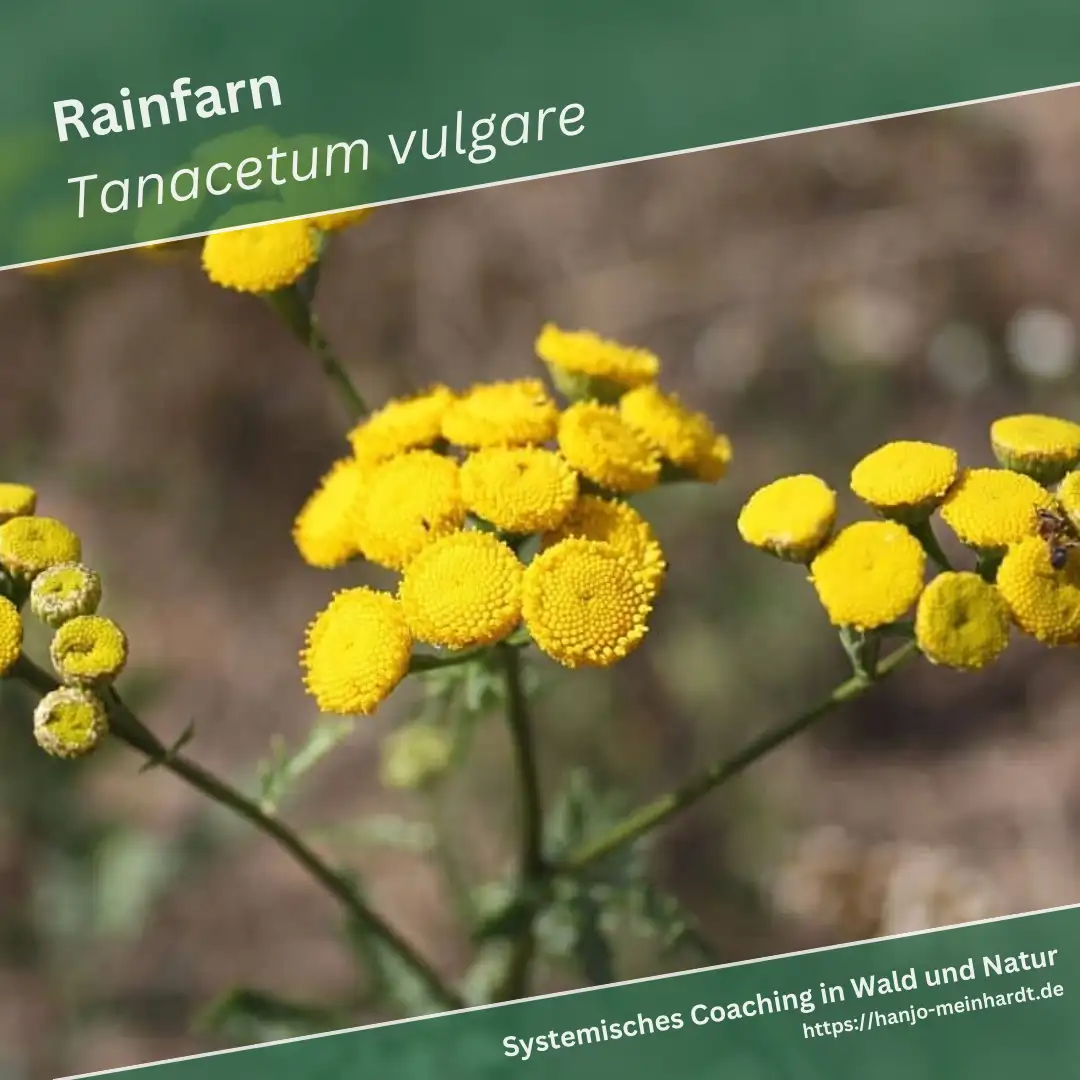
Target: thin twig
{"type": "Point", "coordinates": [126, 726]}
{"type": "Point", "coordinates": [533, 870]}
{"type": "Point", "coordinates": [648, 817]}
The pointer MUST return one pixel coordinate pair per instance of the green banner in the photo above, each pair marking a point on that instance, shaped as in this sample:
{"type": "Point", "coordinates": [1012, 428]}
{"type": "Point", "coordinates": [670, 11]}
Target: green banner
{"type": "Point", "coordinates": [994, 1000]}
{"type": "Point", "coordinates": [145, 121]}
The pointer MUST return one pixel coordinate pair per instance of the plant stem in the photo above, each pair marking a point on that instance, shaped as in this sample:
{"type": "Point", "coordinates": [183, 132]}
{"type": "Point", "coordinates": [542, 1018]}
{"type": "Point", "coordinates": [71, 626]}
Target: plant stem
{"type": "Point", "coordinates": [648, 817]}
{"type": "Point", "coordinates": [924, 533]}
{"type": "Point", "coordinates": [126, 726]}
{"type": "Point", "coordinates": [533, 869]}
{"type": "Point", "coordinates": [295, 309]}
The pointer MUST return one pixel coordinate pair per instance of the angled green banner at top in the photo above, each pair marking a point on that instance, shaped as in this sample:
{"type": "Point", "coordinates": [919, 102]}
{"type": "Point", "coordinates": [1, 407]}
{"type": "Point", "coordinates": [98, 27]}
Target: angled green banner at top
{"type": "Point", "coordinates": [145, 121]}
{"type": "Point", "coordinates": [993, 1000]}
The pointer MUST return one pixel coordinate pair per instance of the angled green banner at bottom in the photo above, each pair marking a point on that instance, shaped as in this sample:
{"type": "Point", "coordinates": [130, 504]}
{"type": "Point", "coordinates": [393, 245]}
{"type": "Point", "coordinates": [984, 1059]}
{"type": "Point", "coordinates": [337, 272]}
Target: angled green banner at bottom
{"type": "Point", "coordinates": [992, 1000]}
{"type": "Point", "coordinates": [145, 121]}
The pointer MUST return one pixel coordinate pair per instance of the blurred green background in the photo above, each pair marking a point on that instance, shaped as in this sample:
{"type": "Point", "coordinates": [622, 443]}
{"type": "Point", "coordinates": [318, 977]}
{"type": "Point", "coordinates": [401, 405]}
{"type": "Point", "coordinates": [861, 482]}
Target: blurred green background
{"type": "Point", "coordinates": [817, 295]}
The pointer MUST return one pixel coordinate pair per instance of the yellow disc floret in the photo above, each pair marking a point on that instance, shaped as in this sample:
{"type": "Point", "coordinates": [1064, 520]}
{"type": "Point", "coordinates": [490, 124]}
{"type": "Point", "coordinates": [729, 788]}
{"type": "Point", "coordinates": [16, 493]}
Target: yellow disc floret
{"type": "Point", "coordinates": [1043, 447]}
{"type": "Point", "coordinates": [619, 524]}
{"type": "Point", "coordinates": [585, 603]}
{"type": "Point", "coordinates": [260, 259]}
{"type": "Point", "coordinates": [989, 509]}
{"type": "Point", "coordinates": [11, 635]}
{"type": "Point", "coordinates": [402, 424]}
{"type": "Point", "coordinates": [358, 649]}
{"type": "Point", "coordinates": [415, 756]}
{"type": "Point", "coordinates": [583, 364]}
{"type": "Point", "coordinates": [88, 650]}
{"type": "Point", "coordinates": [516, 413]}
{"type": "Point", "coordinates": [905, 480]}
{"type": "Point", "coordinates": [519, 490]}
{"type": "Point", "coordinates": [462, 590]}
{"type": "Point", "coordinates": [64, 591]}
{"type": "Point", "coordinates": [327, 529]}
{"type": "Point", "coordinates": [680, 435]}
{"type": "Point", "coordinates": [16, 500]}
{"type": "Point", "coordinates": [869, 574]}
{"type": "Point", "coordinates": [606, 450]}
{"type": "Point", "coordinates": [792, 517]}
{"type": "Point", "coordinates": [411, 500]}
{"type": "Point", "coordinates": [1044, 602]}
{"type": "Point", "coordinates": [341, 219]}
{"type": "Point", "coordinates": [29, 545]}
{"type": "Point", "coordinates": [962, 621]}
{"type": "Point", "coordinates": [70, 722]}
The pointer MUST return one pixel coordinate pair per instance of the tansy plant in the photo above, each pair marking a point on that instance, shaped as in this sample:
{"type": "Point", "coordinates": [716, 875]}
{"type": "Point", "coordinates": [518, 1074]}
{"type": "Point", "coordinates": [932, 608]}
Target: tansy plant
{"type": "Point", "coordinates": [501, 517]}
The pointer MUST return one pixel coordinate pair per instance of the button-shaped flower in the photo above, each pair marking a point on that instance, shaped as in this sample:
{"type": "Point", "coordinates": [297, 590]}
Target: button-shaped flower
{"type": "Point", "coordinates": [585, 603]}
{"type": "Point", "coordinates": [962, 621]}
{"type": "Point", "coordinates": [519, 490]}
{"type": "Point", "coordinates": [70, 722]}
{"type": "Point", "coordinates": [1042, 447]}
{"type": "Point", "coordinates": [905, 480]}
{"type": "Point", "coordinates": [462, 590]}
{"type": "Point", "coordinates": [261, 259]}
{"type": "Point", "coordinates": [869, 574]}
{"type": "Point", "coordinates": [357, 650]}
{"type": "Point", "coordinates": [791, 517]}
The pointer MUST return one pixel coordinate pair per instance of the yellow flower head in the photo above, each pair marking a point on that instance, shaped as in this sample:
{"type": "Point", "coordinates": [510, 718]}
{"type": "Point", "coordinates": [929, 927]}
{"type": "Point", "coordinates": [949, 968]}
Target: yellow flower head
{"type": "Point", "coordinates": [357, 651]}
{"type": "Point", "coordinates": [869, 574]}
{"type": "Point", "coordinates": [88, 650]}
{"type": "Point", "coordinates": [681, 436]}
{"type": "Point", "coordinates": [619, 524]}
{"type": "Point", "coordinates": [905, 480]}
{"type": "Point", "coordinates": [585, 365]}
{"type": "Point", "coordinates": [606, 450]}
{"type": "Point", "coordinates": [341, 219]}
{"type": "Point", "coordinates": [1068, 495]}
{"type": "Point", "coordinates": [462, 590]}
{"type": "Point", "coordinates": [16, 500]}
{"type": "Point", "coordinates": [11, 635]}
{"type": "Point", "coordinates": [64, 591]}
{"type": "Point", "coordinates": [70, 722]}
{"type": "Point", "coordinates": [520, 490]}
{"type": "Point", "coordinates": [585, 603]}
{"type": "Point", "coordinates": [1044, 602]}
{"type": "Point", "coordinates": [791, 518]}
{"type": "Point", "coordinates": [1043, 447]}
{"type": "Point", "coordinates": [962, 621]}
{"type": "Point", "coordinates": [327, 529]}
{"type": "Point", "coordinates": [989, 509]}
{"type": "Point", "coordinates": [411, 500]}
{"type": "Point", "coordinates": [402, 424]}
{"type": "Point", "coordinates": [29, 545]}
{"type": "Point", "coordinates": [414, 756]}
{"type": "Point", "coordinates": [515, 413]}
{"type": "Point", "coordinates": [713, 464]}
{"type": "Point", "coordinates": [260, 259]}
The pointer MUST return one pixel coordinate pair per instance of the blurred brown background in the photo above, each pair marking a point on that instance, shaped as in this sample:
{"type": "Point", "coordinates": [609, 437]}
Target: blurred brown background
{"type": "Point", "coordinates": [817, 295]}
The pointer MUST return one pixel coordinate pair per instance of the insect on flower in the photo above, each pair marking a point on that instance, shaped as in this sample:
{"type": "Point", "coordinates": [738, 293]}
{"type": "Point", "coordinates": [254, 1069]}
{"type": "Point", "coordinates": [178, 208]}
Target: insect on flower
{"type": "Point", "coordinates": [1058, 533]}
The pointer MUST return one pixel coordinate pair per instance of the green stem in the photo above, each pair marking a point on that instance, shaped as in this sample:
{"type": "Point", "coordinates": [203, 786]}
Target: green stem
{"type": "Point", "coordinates": [648, 817]}
{"type": "Point", "coordinates": [533, 869]}
{"type": "Point", "coordinates": [126, 726]}
{"type": "Point", "coordinates": [924, 533]}
{"type": "Point", "coordinates": [295, 309]}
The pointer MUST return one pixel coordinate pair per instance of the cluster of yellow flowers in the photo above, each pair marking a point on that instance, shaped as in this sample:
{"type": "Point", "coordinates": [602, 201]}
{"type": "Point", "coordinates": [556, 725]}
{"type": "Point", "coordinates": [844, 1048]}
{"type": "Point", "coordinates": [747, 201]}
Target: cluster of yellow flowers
{"type": "Point", "coordinates": [39, 563]}
{"type": "Point", "coordinates": [500, 509]}
{"type": "Point", "coordinates": [1020, 520]}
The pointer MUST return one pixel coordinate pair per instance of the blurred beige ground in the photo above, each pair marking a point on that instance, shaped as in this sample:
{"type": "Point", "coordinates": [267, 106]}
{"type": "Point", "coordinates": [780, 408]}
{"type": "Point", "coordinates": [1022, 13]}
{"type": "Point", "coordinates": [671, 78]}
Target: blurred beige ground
{"type": "Point", "coordinates": [816, 295]}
